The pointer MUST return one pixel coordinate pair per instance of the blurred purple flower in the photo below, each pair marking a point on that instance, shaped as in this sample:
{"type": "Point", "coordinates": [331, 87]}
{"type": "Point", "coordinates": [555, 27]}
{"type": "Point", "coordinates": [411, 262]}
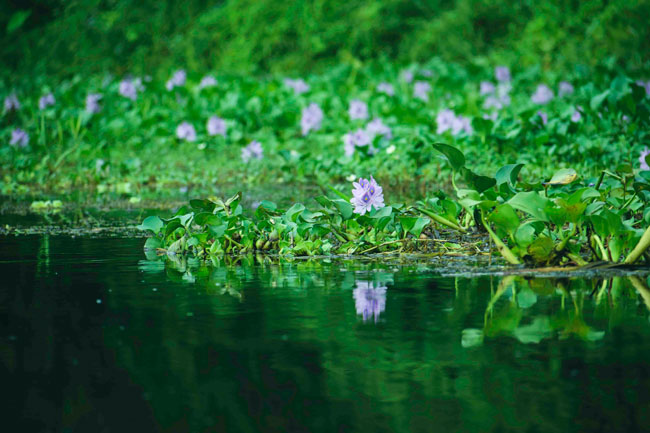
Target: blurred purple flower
{"type": "Point", "coordinates": [253, 150]}
{"type": "Point", "coordinates": [365, 195]}
{"type": "Point", "coordinates": [358, 109]}
{"type": "Point", "coordinates": [447, 120]}
{"type": "Point", "coordinates": [576, 116]}
{"type": "Point", "coordinates": [421, 90]}
{"type": "Point", "coordinates": [427, 73]}
{"type": "Point", "coordinates": [502, 73]}
{"type": "Point", "coordinates": [386, 88]}
{"type": "Point", "coordinates": [19, 138]}
{"type": "Point", "coordinates": [377, 127]}
{"type": "Point", "coordinates": [185, 131]}
{"type": "Point", "coordinates": [487, 88]}
{"type": "Point", "coordinates": [299, 86]}
{"type": "Point", "coordinates": [565, 88]}
{"type": "Point", "coordinates": [312, 117]}
{"type": "Point", "coordinates": [45, 101]}
{"type": "Point", "coordinates": [492, 116]}
{"type": "Point", "coordinates": [207, 81]}
{"type": "Point", "coordinates": [543, 95]}
{"type": "Point", "coordinates": [542, 115]}
{"type": "Point", "coordinates": [644, 164]}
{"type": "Point", "coordinates": [369, 300]}
{"type": "Point", "coordinates": [92, 103]}
{"type": "Point", "coordinates": [12, 103]}
{"type": "Point", "coordinates": [128, 89]}
{"type": "Point", "coordinates": [216, 126]}
{"type": "Point", "coordinates": [407, 76]}
{"type": "Point", "coordinates": [177, 80]}
{"type": "Point", "coordinates": [358, 138]}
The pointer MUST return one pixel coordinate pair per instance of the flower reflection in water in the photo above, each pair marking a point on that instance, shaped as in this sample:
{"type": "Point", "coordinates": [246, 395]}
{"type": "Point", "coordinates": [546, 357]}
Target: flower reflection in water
{"type": "Point", "coordinates": [369, 299]}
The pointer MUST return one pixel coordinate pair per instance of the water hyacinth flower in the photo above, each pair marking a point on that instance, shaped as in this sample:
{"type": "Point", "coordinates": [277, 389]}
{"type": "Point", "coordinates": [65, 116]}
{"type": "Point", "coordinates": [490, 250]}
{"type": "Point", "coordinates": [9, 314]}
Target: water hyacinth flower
{"type": "Point", "coordinates": [11, 103]}
{"type": "Point", "coordinates": [421, 90]}
{"type": "Point", "coordinates": [177, 80]}
{"type": "Point", "coordinates": [369, 300]}
{"type": "Point", "coordinates": [564, 88]}
{"type": "Point", "coordinates": [312, 117]}
{"type": "Point", "coordinates": [45, 101]}
{"type": "Point", "coordinates": [365, 195]}
{"type": "Point", "coordinates": [185, 131]}
{"type": "Point", "coordinates": [576, 116]}
{"type": "Point", "coordinates": [644, 164]}
{"type": "Point", "coordinates": [543, 95]}
{"type": "Point", "coordinates": [502, 73]}
{"type": "Point", "coordinates": [92, 103]}
{"type": "Point", "coordinates": [386, 88]}
{"type": "Point", "coordinates": [253, 150]}
{"type": "Point", "coordinates": [207, 81]}
{"type": "Point", "coordinates": [377, 127]}
{"type": "Point", "coordinates": [487, 88]}
{"type": "Point", "coordinates": [447, 120]}
{"type": "Point", "coordinates": [358, 110]}
{"type": "Point", "coordinates": [542, 115]}
{"type": "Point", "coordinates": [19, 138]}
{"type": "Point", "coordinates": [492, 116]}
{"type": "Point", "coordinates": [299, 86]}
{"type": "Point", "coordinates": [645, 85]}
{"type": "Point", "coordinates": [128, 89]}
{"type": "Point", "coordinates": [407, 76]}
{"type": "Point", "coordinates": [216, 126]}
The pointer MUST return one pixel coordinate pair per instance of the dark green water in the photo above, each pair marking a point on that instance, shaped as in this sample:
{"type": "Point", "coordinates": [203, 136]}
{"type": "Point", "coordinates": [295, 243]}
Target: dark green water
{"type": "Point", "coordinates": [94, 337]}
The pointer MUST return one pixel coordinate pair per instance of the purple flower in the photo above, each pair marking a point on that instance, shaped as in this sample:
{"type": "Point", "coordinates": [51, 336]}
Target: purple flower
{"type": "Point", "coordinates": [492, 116]}
{"type": "Point", "coordinates": [576, 116]}
{"type": "Point", "coordinates": [312, 117]}
{"type": "Point", "coordinates": [421, 90]}
{"type": "Point", "coordinates": [369, 300]}
{"type": "Point", "coordinates": [446, 120]}
{"type": "Point", "coordinates": [502, 73]}
{"type": "Point", "coordinates": [644, 164]}
{"type": "Point", "coordinates": [207, 81]}
{"type": "Point", "coordinates": [407, 76]}
{"type": "Point", "coordinates": [358, 110]}
{"type": "Point", "coordinates": [92, 103]}
{"type": "Point", "coordinates": [542, 115]}
{"type": "Point", "coordinates": [11, 103]}
{"type": "Point", "coordinates": [128, 89]}
{"type": "Point", "coordinates": [543, 95]}
{"type": "Point", "coordinates": [177, 80]}
{"type": "Point", "coordinates": [492, 102]}
{"type": "Point", "coordinates": [299, 86]}
{"type": "Point", "coordinates": [487, 88]}
{"type": "Point", "coordinates": [19, 138]}
{"type": "Point", "coordinates": [386, 88]}
{"type": "Point", "coordinates": [45, 101]}
{"type": "Point", "coordinates": [253, 150]}
{"type": "Point", "coordinates": [565, 88]}
{"type": "Point", "coordinates": [427, 73]}
{"type": "Point", "coordinates": [216, 126]}
{"type": "Point", "coordinates": [377, 127]}
{"type": "Point", "coordinates": [365, 195]}
{"type": "Point", "coordinates": [358, 138]}
{"type": "Point", "coordinates": [185, 131]}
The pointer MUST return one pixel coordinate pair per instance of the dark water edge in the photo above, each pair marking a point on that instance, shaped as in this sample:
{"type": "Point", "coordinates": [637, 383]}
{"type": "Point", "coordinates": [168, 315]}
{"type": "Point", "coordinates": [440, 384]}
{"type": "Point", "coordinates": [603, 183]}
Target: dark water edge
{"type": "Point", "coordinates": [97, 337]}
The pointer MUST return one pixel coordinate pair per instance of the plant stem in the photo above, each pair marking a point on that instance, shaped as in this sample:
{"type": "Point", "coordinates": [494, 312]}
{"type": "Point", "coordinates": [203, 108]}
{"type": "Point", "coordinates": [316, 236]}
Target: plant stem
{"type": "Point", "coordinates": [441, 220]}
{"type": "Point", "coordinates": [503, 248]}
{"type": "Point", "coordinates": [639, 249]}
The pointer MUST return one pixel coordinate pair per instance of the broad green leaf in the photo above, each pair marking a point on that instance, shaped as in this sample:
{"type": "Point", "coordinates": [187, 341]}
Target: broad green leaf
{"type": "Point", "coordinates": [152, 244]}
{"type": "Point", "coordinates": [531, 203]}
{"type": "Point", "coordinates": [17, 20]}
{"type": "Point", "coordinates": [542, 249]}
{"type": "Point", "coordinates": [505, 217]}
{"type": "Point", "coordinates": [508, 173]}
{"type": "Point", "coordinates": [563, 176]}
{"type": "Point", "coordinates": [152, 223]}
{"type": "Point", "coordinates": [454, 156]}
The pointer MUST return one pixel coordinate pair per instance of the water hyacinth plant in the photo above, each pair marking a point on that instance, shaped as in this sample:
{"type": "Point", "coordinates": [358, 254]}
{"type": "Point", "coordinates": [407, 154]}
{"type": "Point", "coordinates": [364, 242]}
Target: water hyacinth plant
{"type": "Point", "coordinates": [311, 119]}
{"type": "Point", "coordinates": [543, 95]}
{"type": "Point", "coordinates": [177, 80]}
{"type": "Point", "coordinates": [298, 86]}
{"type": "Point", "coordinates": [216, 126]}
{"type": "Point", "coordinates": [386, 88]}
{"type": "Point", "coordinates": [252, 151]}
{"type": "Point", "coordinates": [358, 110]}
{"type": "Point", "coordinates": [46, 101]}
{"type": "Point", "coordinates": [11, 103]}
{"type": "Point", "coordinates": [128, 89]}
{"type": "Point", "coordinates": [207, 81]}
{"type": "Point", "coordinates": [366, 194]}
{"type": "Point", "coordinates": [358, 138]}
{"type": "Point", "coordinates": [185, 131]}
{"type": "Point", "coordinates": [92, 103]}
{"type": "Point", "coordinates": [369, 299]}
{"type": "Point", "coordinates": [502, 73]}
{"type": "Point", "coordinates": [19, 138]}
{"type": "Point", "coordinates": [421, 90]}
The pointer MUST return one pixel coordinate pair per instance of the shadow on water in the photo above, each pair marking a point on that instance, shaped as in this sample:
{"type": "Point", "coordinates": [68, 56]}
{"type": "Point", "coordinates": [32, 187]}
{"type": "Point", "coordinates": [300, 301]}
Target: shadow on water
{"type": "Point", "coordinates": [97, 337]}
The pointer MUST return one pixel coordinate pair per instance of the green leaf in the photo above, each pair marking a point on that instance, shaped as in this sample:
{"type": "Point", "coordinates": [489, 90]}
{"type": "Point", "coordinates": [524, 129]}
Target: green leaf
{"type": "Point", "coordinates": [508, 173]}
{"type": "Point", "coordinates": [531, 203]}
{"type": "Point", "coordinates": [345, 207]}
{"type": "Point", "coordinates": [454, 156]}
{"type": "Point", "coordinates": [505, 217]}
{"type": "Point", "coordinates": [563, 176]}
{"type": "Point", "coordinates": [202, 205]}
{"type": "Point", "coordinates": [152, 223]}
{"type": "Point", "coordinates": [414, 225]}
{"type": "Point", "coordinates": [152, 244]}
{"type": "Point", "coordinates": [17, 20]}
{"type": "Point", "coordinates": [597, 100]}
{"type": "Point", "coordinates": [542, 249]}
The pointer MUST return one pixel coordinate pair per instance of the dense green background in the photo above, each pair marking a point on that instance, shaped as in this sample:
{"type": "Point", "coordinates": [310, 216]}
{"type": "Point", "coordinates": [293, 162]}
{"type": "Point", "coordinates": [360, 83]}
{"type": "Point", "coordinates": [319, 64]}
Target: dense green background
{"type": "Point", "coordinates": [260, 36]}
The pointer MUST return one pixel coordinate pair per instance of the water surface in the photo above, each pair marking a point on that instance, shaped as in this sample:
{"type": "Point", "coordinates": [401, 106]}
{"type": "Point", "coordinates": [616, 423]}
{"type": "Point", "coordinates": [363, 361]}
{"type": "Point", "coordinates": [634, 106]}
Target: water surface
{"type": "Point", "coordinates": [97, 337]}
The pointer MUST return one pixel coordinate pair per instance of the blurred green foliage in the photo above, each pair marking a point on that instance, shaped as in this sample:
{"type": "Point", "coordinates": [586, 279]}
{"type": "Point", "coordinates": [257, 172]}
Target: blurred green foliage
{"type": "Point", "coordinates": [261, 36]}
